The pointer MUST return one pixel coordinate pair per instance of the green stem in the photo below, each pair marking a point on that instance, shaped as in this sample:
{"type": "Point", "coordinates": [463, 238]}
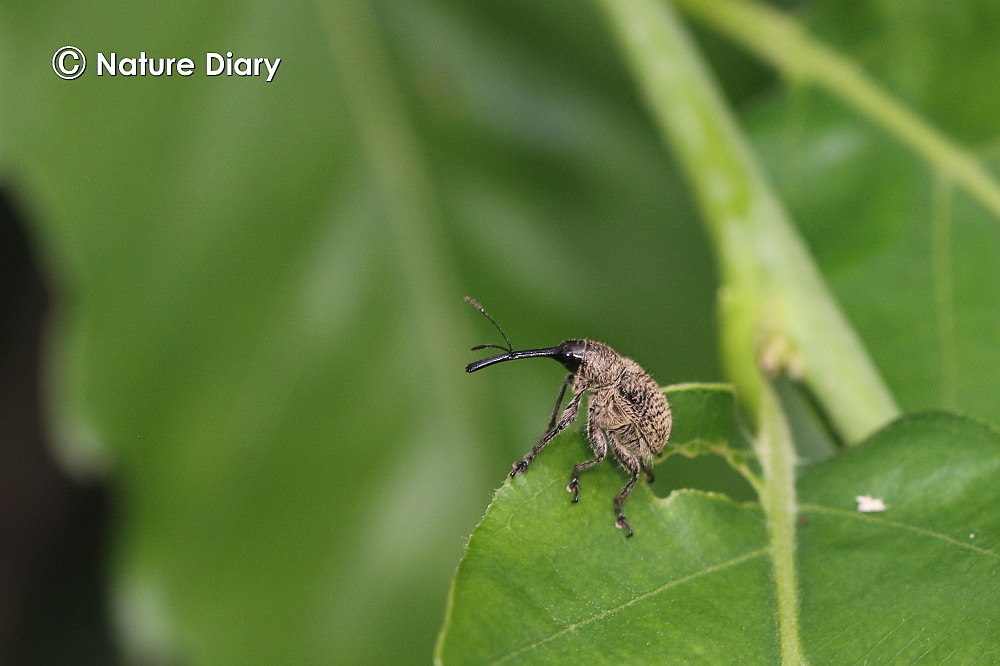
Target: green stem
{"type": "Point", "coordinates": [782, 42]}
{"type": "Point", "coordinates": [776, 310]}
{"type": "Point", "coordinates": [772, 291]}
{"type": "Point", "coordinates": [777, 459]}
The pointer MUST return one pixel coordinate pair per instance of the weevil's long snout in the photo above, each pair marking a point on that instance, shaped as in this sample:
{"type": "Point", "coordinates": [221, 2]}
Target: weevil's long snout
{"type": "Point", "coordinates": [513, 356]}
{"type": "Point", "coordinates": [568, 353]}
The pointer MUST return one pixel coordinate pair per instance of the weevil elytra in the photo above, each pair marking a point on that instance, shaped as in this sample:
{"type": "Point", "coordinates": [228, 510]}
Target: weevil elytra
{"type": "Point", "coordinates": [626, 409]}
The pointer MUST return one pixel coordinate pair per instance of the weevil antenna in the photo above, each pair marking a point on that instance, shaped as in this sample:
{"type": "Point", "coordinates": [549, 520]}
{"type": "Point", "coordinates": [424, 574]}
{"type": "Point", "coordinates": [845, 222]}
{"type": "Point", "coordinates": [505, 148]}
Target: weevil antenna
{"type": "Point", "coordinates": [509, 348]}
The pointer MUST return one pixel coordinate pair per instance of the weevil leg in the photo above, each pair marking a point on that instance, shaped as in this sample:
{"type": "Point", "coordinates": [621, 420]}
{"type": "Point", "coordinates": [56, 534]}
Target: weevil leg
{"type": "Point", "coordinates": [633, 465]}
{"type": "Point", "coordinates": [598, 442]}
{"type": "Point", "coordinates": [568, 416]}
{"type": "Point", "coordinates": [562, 394]}
{"type": "Point", "coordinates": [648, 472]}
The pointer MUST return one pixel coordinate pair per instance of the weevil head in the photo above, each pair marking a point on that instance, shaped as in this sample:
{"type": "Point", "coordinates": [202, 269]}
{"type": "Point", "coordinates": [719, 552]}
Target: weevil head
{"type": "Point", "coordinates": [570, 354]}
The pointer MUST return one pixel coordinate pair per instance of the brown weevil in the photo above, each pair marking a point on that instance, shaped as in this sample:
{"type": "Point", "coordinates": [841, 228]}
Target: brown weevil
{"type": "Point", "coordinates": [626, 409]}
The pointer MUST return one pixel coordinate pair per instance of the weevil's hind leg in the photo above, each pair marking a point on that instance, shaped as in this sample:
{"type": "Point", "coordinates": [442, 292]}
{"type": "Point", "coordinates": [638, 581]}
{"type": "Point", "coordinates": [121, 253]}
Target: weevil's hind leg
{"type": "Point", "coordinates": [598, 442]}
{"type": "Point", "coordinates": [648, 472]}
{"type": "Point", "coordinates": [633, 466]}
{"type": "Point", "coordinates": [622, 521]}
{"type": "Point", "coordinates": [555, 427]}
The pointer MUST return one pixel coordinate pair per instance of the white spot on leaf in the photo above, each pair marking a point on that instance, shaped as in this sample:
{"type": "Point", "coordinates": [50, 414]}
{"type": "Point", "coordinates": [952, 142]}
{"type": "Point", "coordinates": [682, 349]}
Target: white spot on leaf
{"type": "Point", "coordinates": [868, 504]}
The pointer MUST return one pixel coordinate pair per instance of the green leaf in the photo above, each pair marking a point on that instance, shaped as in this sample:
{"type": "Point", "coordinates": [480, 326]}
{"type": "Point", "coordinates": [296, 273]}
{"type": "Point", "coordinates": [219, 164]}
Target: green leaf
{"type": "Point", "coordinates": [710, 424]}
{"type": "Point", "coordinates": [921, 580]}
{"type": "Point", "coordinates": [545, 580]}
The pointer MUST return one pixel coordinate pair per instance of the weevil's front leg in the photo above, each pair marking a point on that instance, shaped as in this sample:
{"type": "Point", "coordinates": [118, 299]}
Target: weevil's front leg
{"type": "Point", "coordinates": [568, 416]}
{"type": "Point", "coordinates": [562, 394]}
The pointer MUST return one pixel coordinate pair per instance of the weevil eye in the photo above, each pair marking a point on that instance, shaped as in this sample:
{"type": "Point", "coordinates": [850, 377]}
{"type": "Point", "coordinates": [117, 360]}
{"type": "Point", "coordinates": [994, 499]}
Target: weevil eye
{"type": "Point", "coordinates": [572, 354]}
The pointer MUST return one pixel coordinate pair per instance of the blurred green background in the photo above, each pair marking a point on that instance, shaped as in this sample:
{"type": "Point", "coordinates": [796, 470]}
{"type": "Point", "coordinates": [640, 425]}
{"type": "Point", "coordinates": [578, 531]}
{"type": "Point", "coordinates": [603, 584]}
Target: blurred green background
{"type": "Point", "coordinates": [253, 358]}
{"type": "Point", "coordinates": [256, 340]}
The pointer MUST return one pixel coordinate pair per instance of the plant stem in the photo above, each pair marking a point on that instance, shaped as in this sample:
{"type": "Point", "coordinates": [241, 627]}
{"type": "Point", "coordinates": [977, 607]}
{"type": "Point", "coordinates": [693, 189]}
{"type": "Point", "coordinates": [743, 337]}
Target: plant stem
{"type": "Point", "coordinates": [776, 310]}
{"type": "Point", "coordinates": [782, 42]}
{"type": "Point", "coordinates": [777, 458]}
{"type": "Point", "coordinates": [762, 262]}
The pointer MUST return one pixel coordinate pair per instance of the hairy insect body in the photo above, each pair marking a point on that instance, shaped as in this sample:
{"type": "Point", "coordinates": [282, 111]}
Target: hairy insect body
{"type": "Point", "coordinates": [624, 402]}
{"type": "Point", "coordinates": [626, 410]}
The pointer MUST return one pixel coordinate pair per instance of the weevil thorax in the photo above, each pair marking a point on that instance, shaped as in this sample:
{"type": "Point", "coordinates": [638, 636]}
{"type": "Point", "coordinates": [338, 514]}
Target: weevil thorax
{"type": "Point", "coordinates": [596, 364]}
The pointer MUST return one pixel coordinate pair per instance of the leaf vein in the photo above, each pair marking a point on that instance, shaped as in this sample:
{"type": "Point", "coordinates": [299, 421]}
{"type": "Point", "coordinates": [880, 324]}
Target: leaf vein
{"type": "Point", "coordinates": [843, 513]}
{"type": "Point", "coordinates": [631, 602]}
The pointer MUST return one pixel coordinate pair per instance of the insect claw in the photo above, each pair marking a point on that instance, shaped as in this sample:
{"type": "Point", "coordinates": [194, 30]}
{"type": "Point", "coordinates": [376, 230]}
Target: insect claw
{"type": "Point", "coordinates": [622, 524]}
{"type": "Point", "coordinates": [519, 467]}
{"type": "Point", "coordinates": [574, 487]}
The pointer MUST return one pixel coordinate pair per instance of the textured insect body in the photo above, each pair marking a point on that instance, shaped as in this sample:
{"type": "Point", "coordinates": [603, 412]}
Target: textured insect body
{"type": "Point", "coordinates": [627, 412]}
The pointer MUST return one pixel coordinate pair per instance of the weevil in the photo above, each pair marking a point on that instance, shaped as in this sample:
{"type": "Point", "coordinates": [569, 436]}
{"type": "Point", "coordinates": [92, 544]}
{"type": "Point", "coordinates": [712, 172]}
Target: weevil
{"type": "Point", "coordinates": [626, 409]}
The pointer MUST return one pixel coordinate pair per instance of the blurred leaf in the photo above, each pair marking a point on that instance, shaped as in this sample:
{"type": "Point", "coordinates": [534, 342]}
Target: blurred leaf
{"type": "Point", "coordinates": [545, 580]}
{"type": "Point", "coordinates": [263, 349]}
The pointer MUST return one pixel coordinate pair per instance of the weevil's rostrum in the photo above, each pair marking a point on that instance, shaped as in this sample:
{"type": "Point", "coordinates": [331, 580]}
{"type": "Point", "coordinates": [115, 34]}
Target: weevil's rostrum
{"type": "Point", "coordinates": [626, 409]}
